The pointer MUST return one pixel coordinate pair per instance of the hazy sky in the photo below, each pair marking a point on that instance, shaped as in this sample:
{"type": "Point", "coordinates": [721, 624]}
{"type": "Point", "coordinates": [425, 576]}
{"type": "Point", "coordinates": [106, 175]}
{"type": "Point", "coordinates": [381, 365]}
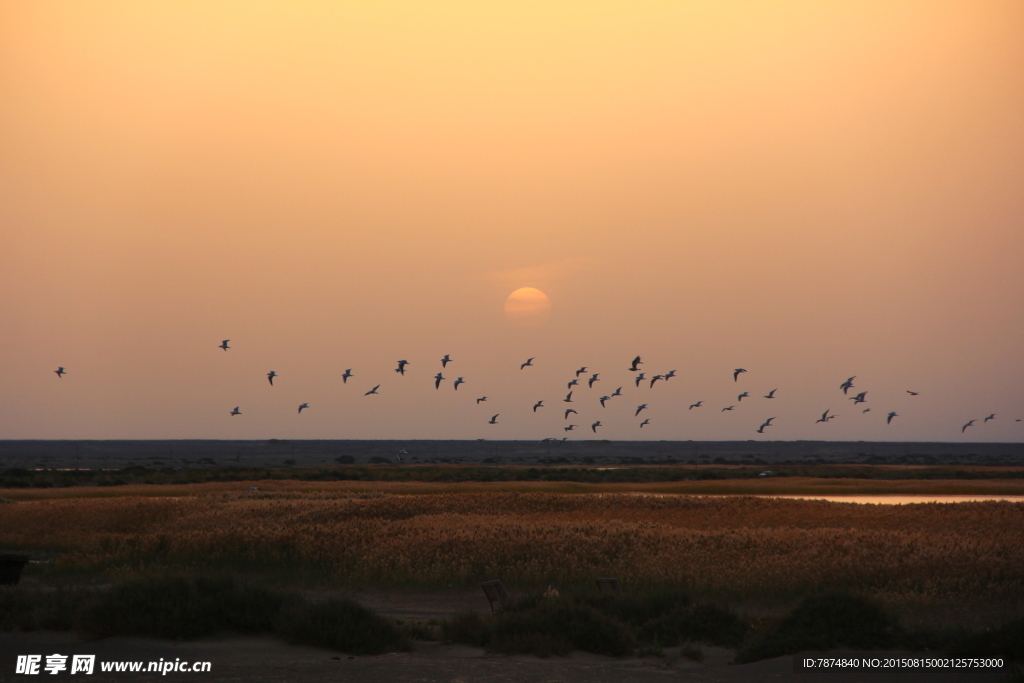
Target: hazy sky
{"type": "Point", "coordinates": [808, 190]}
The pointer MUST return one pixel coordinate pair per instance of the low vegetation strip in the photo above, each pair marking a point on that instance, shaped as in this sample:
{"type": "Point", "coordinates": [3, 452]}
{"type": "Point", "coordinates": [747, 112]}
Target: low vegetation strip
{"type": "Point", "coordinates": [545, 623]}
{"type": "Point", "coordinates": [781, 486]}
{"type": "Point", "coordinates": [186, 608]}
{"type": "Point", "coordinates": [14, 478]}
{"type": "Point", "coordinates": [742, 546]}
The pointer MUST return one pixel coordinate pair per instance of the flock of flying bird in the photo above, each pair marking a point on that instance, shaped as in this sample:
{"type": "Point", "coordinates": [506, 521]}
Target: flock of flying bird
{"type": "Point", "coordinates": [639, 378]}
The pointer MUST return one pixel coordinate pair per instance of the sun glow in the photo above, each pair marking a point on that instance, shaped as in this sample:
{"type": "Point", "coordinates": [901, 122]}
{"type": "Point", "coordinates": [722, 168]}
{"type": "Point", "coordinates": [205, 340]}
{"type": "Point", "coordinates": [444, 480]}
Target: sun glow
{"type": "Point", "coordinates": [527, 306]}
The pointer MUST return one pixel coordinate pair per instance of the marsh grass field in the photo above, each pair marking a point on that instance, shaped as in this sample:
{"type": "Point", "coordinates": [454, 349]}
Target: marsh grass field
{"type": "Point", "coordinates": [935, 573]}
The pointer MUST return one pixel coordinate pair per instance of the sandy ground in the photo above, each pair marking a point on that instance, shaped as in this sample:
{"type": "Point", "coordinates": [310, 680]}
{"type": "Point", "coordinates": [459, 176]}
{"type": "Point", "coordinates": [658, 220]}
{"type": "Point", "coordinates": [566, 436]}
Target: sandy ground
{"type": "Point", "coordinates": [264, 659]}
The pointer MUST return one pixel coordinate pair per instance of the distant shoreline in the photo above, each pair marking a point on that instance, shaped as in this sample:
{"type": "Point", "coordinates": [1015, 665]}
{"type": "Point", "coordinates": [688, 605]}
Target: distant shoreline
{"type": "Point", "coordinates": [271, 453]}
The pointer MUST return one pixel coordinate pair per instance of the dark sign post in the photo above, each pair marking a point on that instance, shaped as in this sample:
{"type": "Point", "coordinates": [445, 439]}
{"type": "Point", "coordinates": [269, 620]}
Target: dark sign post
{"type": "Point", "coordinates": [10, 568]}
{"type": "Point", "coordinates": [495, 593]}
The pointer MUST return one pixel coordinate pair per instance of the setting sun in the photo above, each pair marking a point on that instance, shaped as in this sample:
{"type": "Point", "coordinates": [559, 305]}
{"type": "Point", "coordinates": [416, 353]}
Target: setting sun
{"type": "Point", "coordinates": [527, 306]}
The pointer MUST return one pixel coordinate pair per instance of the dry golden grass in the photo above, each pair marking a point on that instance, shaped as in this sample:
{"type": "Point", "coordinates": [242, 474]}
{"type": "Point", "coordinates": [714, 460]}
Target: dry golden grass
{"type": "Point", "coordinates": [742, 546]}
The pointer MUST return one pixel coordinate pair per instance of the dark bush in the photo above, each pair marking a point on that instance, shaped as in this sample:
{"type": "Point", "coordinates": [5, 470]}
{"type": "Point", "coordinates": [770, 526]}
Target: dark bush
{"type": "Point", "coordinates": [823, 622]}
{"type": "Point", "coordinates": [341, 624]}
{"type": "Point", "coordinates": [703, 623]}
{"type": "Point", "coordinates": [639, 608]}
{"type": "Point", "coordinates": [557, 626]}
{"type": "Point", "coordinates": [467, 628]}
{"type": "Point", "coordinates": [1004, 641]}
{"type": "Point", "coordinates": [180, 608]}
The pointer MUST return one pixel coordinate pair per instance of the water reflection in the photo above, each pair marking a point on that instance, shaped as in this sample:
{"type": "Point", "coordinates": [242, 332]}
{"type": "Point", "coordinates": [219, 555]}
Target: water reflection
{"type": "Point", "coordinates": [900, 499]}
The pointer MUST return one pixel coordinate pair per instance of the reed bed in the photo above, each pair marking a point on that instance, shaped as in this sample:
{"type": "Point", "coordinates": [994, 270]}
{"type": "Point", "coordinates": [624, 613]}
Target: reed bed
{"type": "Point", "coordinates": [740, 546]}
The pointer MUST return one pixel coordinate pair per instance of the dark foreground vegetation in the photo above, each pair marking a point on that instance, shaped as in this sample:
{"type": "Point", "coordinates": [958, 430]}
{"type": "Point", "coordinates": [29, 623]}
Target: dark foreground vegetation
{"type": "Point", "coordinates": [180, 608]}
{"type": "Point", "coordinates": [18, 477]}
{"type": "Point", "coordinates": [543, 624]}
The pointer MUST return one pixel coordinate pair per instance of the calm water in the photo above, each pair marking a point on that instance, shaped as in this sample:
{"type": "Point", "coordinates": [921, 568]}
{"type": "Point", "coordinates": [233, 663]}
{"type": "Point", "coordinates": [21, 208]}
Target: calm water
{"type": "Point", "coordinates": [903, 499]}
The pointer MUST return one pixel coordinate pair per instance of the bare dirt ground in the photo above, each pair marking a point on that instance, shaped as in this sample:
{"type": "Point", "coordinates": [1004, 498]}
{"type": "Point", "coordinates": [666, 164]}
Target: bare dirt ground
{"type": "Point", "coordinates": [267, 660]}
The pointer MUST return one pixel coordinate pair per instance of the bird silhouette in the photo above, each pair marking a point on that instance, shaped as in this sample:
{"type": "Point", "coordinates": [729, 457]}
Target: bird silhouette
{"type": "Point", "coordinates": [527, 364]}
{"type": "Point", "coordinates": [494, 419]}
{"type": "Point", "coordinates": [913, 393]}
{"type": "Point", "coordinates": [224, 345]}
{"type": "Point", "coordinates": [892, 414]}
{"type": "Point", "coordinates": [594, 426]}
{"type": "Point", "coordinates": [538, 404]}
{"type": "Point", "coordinates": [437, 380]}
{"type": "Point", "coordinates": [401, 366]}
{"type": "Point", "coordinates": [964, 428]}
{"type": "Point", "coordinates": [458, 382]}
{"type": "Point", "coordinates": [645, 422]}
{"type": "Point", "coordinates": [603, 399]}
{"type": "Point", "coordinates": [568, 397]}
{"type": "Point", "coordinates": [445, 361]}
{"type": "Point", "coordinates": [859, 398]}
{"type": "Point", "coordinates": [270, 376]}
{"type": "Point", "coordinates": [372, 391]}
{"type": "Point", "coordinates": [581, 371]}
{"type": "Point", "coordinates": [633, 366]}
{"type": "Point", "coordinates": [990, 417]}
{"type": "Point", "coordinates": [236, 411]}
{"type": "Point", "coordinates": [593, 378]}
{"type": "Point", "coordinates": [698, 404]}
{"type": "Point", "coordinates": [736, 374]}
{"type": "Point", "coordinates": [729, 408]}
{"type": "Point", "coordinates": [642, 406]}
{"type": "Point", "coordinates": [346, 375]}
{"type": "Point", "coordinates": [481, 399]}
{"type": "Point", "coordinates": [848, 384]}
{"type": "Point", "coordinates": [771, 394]}
{"type": "Point", "coordinates": [655, 379]}
{"type": "Point", "coordinates": [639, 378]}
{"type": "Point", "coordinates": [303, 405]}
{"type": "Point", "coordinates": [743, 395]}
{"type": "Point", "coordinates": [569, 410]}
{"type": "Point", "coordinates": [60, 372]}
{"type": "Point", "coordinates": [824, 417]}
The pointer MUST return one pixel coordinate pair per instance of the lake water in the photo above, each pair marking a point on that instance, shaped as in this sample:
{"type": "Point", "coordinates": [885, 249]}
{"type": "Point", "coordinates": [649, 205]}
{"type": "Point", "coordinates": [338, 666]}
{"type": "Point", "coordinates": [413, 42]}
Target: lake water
{"type": "Point", "coordinates": [903, 499]}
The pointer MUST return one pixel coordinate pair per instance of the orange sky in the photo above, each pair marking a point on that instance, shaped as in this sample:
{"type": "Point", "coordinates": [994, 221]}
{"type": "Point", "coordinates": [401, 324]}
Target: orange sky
{"type": "Point", "coordinates": [808, 190]}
